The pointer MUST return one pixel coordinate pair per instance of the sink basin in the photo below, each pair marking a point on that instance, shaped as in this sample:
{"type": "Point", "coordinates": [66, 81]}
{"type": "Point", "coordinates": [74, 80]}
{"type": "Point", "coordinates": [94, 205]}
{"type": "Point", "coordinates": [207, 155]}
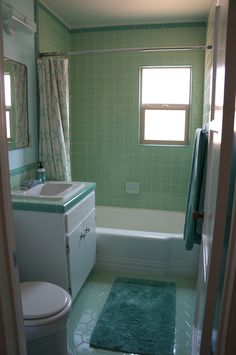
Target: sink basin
{"type": "Point", "coordinates": [48, 189]}
{"type": "Point", "coordinates": [54, 190]}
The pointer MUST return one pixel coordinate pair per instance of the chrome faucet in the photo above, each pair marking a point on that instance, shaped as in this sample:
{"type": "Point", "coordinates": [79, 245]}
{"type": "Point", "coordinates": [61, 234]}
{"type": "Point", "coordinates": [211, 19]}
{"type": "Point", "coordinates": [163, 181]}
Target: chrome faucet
{"type": "Point", "coordinates": [28, 184]}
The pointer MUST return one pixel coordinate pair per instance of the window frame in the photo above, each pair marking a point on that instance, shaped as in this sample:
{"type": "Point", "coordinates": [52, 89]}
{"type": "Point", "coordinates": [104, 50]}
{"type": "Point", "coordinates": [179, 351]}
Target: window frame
{"type": "Point", "coordinates": [182, 107]}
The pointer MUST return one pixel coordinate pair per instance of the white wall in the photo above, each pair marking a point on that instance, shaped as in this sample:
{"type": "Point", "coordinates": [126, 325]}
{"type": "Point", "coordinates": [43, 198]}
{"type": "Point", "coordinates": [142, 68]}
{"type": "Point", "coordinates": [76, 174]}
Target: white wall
{"type": "Point", "coordinates": [21, 48]}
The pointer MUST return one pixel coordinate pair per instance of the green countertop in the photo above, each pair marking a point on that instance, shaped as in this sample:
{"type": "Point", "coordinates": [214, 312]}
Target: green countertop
{"type": "Point", "coordinates": [44, 205]}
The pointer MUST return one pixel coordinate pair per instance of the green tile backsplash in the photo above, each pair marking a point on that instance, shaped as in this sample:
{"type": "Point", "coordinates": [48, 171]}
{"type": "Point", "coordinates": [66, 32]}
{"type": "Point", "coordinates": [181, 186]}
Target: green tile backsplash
{"type": "Point", "coordinates": [19, 175]}
{"type": "Point", "coordinates": [105, 110]}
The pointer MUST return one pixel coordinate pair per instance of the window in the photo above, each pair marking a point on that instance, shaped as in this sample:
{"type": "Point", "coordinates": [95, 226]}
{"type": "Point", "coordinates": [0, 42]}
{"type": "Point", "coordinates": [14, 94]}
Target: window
{"type": "Point", "coordinates": [7, 90]}
{"type": "Point", "coordinates": [165, 99]}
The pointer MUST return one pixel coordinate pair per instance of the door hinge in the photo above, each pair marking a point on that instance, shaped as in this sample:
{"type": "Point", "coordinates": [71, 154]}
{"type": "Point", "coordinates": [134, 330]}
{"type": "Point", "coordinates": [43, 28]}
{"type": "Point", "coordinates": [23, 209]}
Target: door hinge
{"type": "Point", "coordinates": [67, 249]}
{"type": "Point", "coordinates": [70, 290]}
{"type": "Point", "coordinates": [15, 258]}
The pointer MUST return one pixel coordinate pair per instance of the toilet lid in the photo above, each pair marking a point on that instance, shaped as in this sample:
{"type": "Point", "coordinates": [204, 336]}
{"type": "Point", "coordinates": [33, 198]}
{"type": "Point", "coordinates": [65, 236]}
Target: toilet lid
{"type": "Point", "coordinates": [42, 299]}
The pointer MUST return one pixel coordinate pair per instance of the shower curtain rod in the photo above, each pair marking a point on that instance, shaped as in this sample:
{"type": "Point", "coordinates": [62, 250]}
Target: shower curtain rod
{"type": "Point", "coordinates": [120, 50]}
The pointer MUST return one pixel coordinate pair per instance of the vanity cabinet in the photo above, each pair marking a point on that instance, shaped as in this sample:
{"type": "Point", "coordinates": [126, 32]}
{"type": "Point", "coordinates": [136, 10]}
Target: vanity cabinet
{"type": "Point", "coordinates": [57, 247]}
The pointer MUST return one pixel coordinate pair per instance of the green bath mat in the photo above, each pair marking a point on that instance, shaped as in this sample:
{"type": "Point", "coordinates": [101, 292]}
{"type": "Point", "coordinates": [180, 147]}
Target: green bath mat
{"type": "Point", "coordinates": [138, 317]}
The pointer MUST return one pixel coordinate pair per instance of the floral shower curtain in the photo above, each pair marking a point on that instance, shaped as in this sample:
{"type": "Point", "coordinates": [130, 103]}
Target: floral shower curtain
{"type": "Point", "coordinates": [19, 80]}
{"type": "Point", "coordinates": [54, 142]}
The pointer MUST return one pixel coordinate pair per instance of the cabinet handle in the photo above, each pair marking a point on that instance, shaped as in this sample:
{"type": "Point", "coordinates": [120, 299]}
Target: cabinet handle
{"type": "Point", "coordinates": [83, 235]}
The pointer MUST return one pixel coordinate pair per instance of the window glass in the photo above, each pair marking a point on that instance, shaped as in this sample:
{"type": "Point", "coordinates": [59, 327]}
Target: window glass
{"type": "Point", "coordinates": [8, 125]}
{"type": "Point", "coordinates": [165, 85]}
{"type": "Point", "coordinates": [159, 122]}
{"type": "Point", "coordinates": [165, 98]}
{"type": "Point", "coordinates": [7, 89]}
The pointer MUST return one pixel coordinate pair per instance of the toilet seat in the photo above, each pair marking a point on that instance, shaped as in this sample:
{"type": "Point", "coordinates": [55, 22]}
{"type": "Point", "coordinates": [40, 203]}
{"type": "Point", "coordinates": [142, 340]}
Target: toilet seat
{"type": "Point", "coordinates": [43, 303]}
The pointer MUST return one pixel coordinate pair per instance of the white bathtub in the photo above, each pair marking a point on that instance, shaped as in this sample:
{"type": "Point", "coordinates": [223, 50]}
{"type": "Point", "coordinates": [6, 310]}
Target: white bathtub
{"type": "Point", "coordinates": [137, 249]}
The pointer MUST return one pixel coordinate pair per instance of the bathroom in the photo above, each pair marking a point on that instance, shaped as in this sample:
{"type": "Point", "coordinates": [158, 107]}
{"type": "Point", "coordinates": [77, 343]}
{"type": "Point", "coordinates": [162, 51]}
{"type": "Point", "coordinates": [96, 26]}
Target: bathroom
{"type": "Point", "coordinates": [104, 104]}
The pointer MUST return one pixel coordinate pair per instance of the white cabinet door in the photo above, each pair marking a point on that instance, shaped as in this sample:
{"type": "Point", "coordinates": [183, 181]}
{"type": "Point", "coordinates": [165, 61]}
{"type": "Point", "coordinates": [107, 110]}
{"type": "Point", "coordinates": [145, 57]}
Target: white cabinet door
{"type": "Point", "coordinates": [89, 242]}
{"type": "Point", "coordinates": [81, 252]}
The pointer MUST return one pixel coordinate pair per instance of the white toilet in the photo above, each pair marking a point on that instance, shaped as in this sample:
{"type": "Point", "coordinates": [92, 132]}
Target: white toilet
{"type": "Point", "coordinates": [46, 308]}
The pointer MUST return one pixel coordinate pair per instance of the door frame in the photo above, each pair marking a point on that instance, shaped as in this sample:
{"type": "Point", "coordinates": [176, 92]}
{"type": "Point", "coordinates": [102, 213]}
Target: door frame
{"type": "Point", "coordinates": [12, 338]}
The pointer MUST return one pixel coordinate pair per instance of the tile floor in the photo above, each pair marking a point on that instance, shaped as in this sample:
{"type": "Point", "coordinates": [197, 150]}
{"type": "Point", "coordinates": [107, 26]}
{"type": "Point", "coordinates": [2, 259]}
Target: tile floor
{"type": "Point", "coordinates": [89, 303]}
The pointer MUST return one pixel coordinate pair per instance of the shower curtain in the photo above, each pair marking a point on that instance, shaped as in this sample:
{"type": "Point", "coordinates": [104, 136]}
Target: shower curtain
{"type": "Point", "coordinates": [54, 142]}
{"type": "Point", "coordinates": [19, 81]}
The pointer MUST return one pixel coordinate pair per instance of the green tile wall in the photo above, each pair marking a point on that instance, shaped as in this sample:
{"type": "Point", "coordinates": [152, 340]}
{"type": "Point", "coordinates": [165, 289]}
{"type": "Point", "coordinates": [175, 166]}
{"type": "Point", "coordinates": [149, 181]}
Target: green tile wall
{"type": "Point", "coordinates": [208, 64]}
{"type": "Point", "coordinates": [105, 116]}
{"type": "Point", "coordinates": [52, 34]}
{"type": "Point", "coordinates": [105, 110]}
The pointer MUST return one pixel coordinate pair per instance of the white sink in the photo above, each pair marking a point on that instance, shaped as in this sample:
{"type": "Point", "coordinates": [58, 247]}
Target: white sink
{"type": "Point", "coordinates": [54, 190]}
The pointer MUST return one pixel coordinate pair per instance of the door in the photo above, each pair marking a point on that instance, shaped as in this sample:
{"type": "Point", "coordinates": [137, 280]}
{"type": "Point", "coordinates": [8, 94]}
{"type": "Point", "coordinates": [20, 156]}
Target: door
{"type": "Point", "coordinates": [226, 325]}
{"type": "Point", "coordinates": [220, 149]}
{"type": "Point", "coordinates": [12, 341]}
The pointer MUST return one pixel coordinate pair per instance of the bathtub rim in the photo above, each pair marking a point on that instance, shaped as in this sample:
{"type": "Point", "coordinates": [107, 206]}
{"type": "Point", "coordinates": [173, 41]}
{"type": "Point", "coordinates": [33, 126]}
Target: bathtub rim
{"type": "Point", "coordinates": [115, 232]}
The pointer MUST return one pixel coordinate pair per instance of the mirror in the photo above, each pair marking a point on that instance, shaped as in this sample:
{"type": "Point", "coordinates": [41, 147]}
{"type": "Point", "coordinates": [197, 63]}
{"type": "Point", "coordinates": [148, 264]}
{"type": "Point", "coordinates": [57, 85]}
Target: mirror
{"type": "Point", "coordinates": [16, 104]}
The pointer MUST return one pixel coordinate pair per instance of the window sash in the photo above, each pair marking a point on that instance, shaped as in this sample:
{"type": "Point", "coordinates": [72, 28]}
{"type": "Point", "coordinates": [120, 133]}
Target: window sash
{"type": "Point", "coordinates": [8, 122]}
{"type": "Point", "coordinates": [156, 107]}
{"type": "Point", "coordinates": [171, 93]}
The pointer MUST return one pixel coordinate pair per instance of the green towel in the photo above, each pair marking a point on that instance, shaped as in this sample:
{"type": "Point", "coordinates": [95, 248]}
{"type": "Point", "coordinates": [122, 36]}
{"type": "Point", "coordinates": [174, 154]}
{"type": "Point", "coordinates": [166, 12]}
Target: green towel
{"type": "Point", "coordinates": [196, 190]}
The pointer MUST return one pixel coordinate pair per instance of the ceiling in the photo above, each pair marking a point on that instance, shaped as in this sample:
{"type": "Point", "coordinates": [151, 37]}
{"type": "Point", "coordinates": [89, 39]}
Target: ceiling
{"type": "Point", "coordinates": [99, 13]}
